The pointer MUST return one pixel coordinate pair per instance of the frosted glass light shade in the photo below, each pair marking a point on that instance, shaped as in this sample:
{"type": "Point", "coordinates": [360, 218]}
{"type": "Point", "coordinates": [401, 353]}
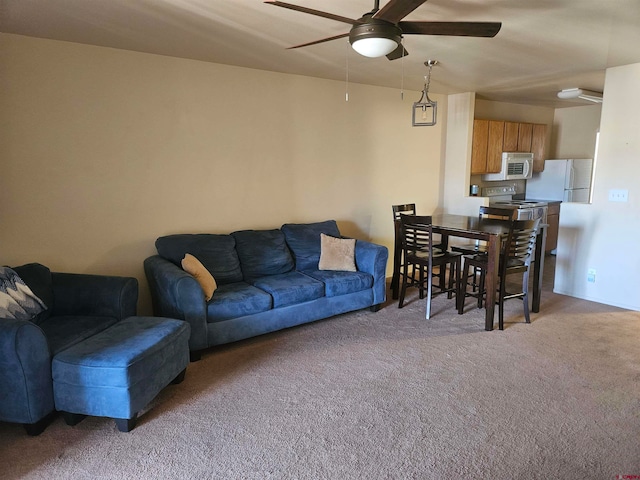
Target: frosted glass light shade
{"type": "Point", "coordinates": [374, 46]}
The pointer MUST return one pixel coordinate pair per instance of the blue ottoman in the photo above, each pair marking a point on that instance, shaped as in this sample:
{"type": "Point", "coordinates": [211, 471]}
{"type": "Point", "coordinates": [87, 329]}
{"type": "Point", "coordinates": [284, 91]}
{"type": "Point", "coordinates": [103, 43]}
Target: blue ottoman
{"type": "Point", "coordinates": [117, 372]}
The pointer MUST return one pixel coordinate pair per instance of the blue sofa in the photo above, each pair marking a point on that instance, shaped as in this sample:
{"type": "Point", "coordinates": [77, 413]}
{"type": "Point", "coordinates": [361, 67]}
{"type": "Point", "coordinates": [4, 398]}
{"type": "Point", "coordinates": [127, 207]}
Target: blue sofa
{"type": "Point", "coordinates": [267, 280]}
{"type": "Point", "coordinates": [78, 307]}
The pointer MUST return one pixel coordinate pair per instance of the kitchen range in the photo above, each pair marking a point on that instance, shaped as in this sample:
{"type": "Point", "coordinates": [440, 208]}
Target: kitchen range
{"type": "Point", "coordinates": [527, 209]}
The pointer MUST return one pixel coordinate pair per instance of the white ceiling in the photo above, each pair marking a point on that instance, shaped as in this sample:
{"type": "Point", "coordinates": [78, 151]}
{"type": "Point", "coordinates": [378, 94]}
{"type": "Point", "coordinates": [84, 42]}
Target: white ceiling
{"type": "Point", "coordinates": [543, 46]}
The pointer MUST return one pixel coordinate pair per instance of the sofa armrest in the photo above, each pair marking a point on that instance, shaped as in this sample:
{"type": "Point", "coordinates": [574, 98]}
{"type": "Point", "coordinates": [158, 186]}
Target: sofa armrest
{"type": "Point", "coordinates": [176, 294]}
{"type": "Point", "coordinates": [94, 295]}
{"type": "Point", "coordinates": [372, 258]}
{"type": "Point", "coordinates": [26, 388]}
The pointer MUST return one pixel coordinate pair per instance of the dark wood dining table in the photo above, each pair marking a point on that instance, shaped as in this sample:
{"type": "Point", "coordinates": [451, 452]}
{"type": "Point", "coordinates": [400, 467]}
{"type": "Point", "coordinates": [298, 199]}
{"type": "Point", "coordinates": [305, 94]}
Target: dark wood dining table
{"type": "Point", "coordinates": [490, 231]}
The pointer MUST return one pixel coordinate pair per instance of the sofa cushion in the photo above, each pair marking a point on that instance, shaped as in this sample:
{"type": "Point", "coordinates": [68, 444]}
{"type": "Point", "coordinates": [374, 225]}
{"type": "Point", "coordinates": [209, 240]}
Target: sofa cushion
{"type": "Point", "coordinates": [235, 300]}
{"type": "Point", "coordinates": [63, 332]}
{"type": "Point", "coordinates": [290, 288]}
{"type": "Point", "coordinates": [262, 252]}
{"type": "Point", "coordinates": [341, 283]}
{"type": "Point", "coordinates": [216, 252]}
{"type": "Point", "coordinates": [304, 241]}
{"type": "Point", "coordinates": [38, 278]}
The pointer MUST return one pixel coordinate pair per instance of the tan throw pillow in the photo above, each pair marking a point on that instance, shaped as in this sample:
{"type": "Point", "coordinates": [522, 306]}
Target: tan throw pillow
{"type": "Point", "coordinates": [337, 253]}
{"type": "Point", "coordinates": [192, 265]}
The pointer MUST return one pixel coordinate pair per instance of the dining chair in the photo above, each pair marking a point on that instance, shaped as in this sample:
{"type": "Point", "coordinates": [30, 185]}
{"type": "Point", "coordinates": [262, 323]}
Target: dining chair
{"type": "Point", "coordinates": [416, 234]}
{"type": "Point", "coordinates": [475, 277]}
{"type": "Point", "coordinates": [399, 210]}
{"type": "Point", "coordinates": [410, 209]}
{"type": "Point", "coordinates": [515, 258]}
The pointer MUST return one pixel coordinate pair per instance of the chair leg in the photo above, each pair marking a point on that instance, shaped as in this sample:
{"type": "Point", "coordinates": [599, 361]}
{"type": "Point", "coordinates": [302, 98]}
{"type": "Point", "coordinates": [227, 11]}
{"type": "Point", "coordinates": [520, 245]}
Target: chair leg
{"type": "Point", "coordinates": [462, 289]}
{"type": "Point", "coordinates": [501, 295]}
{"type": "Point", "coordinates": [429, 293]}
{"type": "Point", "coordinates": [421, 282]}
{"type": "Point", "coordinates": [525, 298]}
{"type": "Point", "coordinates": [403, 287]}
{"type": "Point", "coordinates": [481, 289]}
{"type": "Point", "coordinates": [458, 282]}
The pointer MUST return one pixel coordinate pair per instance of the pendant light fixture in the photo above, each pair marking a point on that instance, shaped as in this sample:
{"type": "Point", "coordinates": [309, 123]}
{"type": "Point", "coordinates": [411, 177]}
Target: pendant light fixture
{"type": "Point", "coordinates": [425, 109]}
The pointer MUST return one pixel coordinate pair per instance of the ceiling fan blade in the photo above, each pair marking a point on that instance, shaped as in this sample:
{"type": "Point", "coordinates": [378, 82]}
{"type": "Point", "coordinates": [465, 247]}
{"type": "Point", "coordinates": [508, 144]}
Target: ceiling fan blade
{"type": "Point", "coordinates": [396, 10]}
{"type": "Point", "coordinates": [456, 29]}
{"type": "Point", "coordinates": [398, 53]}
{"type": "Point", "coordinates": [342, 35]}
{"type": "Point", "coordinates": [318, 13]}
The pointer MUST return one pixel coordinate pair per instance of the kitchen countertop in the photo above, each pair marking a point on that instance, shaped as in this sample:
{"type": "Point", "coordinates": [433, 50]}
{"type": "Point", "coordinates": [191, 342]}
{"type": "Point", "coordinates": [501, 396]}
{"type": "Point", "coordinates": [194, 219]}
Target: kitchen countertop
{"type": "Point", "coordinates": [550, 202]}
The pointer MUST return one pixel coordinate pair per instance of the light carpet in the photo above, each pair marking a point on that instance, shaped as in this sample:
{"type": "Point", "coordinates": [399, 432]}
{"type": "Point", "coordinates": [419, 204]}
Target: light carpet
{"type": "Point", "coordinates": [386, 395]}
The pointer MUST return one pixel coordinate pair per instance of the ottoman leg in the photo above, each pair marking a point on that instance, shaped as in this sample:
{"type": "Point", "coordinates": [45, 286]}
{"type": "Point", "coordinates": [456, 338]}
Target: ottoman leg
{"type": "Point", "coordinates": [72, 419]}
{"type": "Point", "coordinates": [126, 424]}
{"type": "Point", "coordinates": [179, 378]}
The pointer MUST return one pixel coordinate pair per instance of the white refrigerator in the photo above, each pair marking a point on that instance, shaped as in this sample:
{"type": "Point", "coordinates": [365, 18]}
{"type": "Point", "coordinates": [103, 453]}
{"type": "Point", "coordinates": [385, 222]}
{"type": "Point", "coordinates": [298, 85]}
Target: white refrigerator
{"type": "Point", "coordinates": [567, 180]}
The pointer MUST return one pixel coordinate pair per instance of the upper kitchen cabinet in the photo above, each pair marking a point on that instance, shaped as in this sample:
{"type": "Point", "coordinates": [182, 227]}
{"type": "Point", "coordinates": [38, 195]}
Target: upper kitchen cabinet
{"type": "Point", "coordinates": [510, 137]}
{"type": "Point", "coordinates": [525, 131]}
{"type": "Point", "coordinates": [487, 146]}
{"type": "Point", "coordinates": [492, 137]}
{"type": "Point", "coordinates": [538, 143]}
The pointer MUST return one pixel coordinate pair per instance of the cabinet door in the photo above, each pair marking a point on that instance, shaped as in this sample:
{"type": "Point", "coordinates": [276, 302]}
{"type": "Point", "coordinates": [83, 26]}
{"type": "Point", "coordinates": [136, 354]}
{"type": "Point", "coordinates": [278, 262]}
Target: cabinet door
{"type": "Point", "coordinates": [479, 146]}
{"type": "Point", "coordinates": [494, 146]}
{"type": "Point", "coordinates": [538, 143]}
{"type": "Point", "coordinates": [510, 143]}
{"type": "Point", "coordinates": [525, 131]}
{"type": "Point", "coordinates": [552, 232]}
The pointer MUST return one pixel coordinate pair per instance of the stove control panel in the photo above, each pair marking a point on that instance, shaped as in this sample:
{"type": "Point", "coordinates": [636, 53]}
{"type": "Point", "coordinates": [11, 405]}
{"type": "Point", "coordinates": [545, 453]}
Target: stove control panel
{"type": "Point", "coordinates": [497, 191]}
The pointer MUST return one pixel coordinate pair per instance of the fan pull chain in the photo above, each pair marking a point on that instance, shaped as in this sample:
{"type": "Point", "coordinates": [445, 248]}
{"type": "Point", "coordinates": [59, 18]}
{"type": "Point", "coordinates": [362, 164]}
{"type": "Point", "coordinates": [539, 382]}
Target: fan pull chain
{"type": "Point", "coordinates": [346, 86]}
{"type": "Point", "coordinates": [402, 77]}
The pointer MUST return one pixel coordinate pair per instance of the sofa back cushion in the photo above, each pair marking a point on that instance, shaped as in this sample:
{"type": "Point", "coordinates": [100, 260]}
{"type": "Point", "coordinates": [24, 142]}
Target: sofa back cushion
{"type": "Point", "coordinates": [304, 241]}
{"type": "Point", "coordinates": [38, 279]}
{"type": "Point", "coordinates": [262, 253]}
{"type": "Point", "coordinates": [216, 252]}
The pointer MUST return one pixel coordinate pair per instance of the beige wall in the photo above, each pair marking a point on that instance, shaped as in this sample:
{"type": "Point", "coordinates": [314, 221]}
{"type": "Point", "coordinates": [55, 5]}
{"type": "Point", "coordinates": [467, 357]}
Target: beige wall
{"type": "Point", "coordinates": [574, 132]}
{"type": "Point", "coordinates": [104, 150]}
{"type": "Point", "coordinates": [603, 235]}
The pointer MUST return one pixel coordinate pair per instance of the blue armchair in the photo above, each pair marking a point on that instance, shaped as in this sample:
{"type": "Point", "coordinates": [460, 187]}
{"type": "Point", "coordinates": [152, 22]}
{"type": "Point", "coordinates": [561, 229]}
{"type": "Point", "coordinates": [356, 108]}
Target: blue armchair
{"type": "Point", "coordinates": [78, 307]}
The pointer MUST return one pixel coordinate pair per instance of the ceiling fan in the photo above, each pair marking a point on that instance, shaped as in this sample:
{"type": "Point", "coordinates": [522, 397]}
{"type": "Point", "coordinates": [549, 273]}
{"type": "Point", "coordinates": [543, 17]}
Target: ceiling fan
{"type": "Point", "coordinates": [379, 32]}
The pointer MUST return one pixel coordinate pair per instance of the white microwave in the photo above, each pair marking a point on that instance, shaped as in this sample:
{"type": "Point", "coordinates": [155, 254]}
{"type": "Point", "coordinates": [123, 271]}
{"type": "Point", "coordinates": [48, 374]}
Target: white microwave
{"type": "Point", "coordinates": [515, 166]}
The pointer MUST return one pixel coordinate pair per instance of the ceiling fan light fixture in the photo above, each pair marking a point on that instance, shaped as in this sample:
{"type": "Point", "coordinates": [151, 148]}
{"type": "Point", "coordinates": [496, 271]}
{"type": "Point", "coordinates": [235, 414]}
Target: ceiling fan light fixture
{"type": "Point", "coordinates": [581, 93]}
{"type": "Point", "coordinates": [375, 38]}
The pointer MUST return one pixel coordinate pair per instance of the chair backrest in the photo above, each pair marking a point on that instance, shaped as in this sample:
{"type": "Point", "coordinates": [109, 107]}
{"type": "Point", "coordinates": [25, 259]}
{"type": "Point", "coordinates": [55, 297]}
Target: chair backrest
{"type": "Point", "coordinates": [407, 208]}
{"type": "Point", "coordinates": [520, 243]}
{"type": "Point", "coordinates": [498, 212]}
{"type": "Point", "coordinates": [417, 234]}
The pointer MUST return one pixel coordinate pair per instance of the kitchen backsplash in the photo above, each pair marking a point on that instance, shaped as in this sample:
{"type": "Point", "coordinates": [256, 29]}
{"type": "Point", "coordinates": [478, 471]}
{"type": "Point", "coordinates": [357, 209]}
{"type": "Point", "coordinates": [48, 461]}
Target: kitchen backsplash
{"type": "Point", "coordinates": [520, 185]}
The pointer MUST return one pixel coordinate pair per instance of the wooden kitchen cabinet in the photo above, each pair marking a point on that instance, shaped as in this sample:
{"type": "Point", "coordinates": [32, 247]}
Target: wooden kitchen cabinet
{"type": "Point", "coordinates": [525, 131]}
{"type": "Point", "coordinates": [538, 144]}
{"type": "Point", "coordinates": [553, 221]}
{"type": "Point", "coordinates": [479, 146]}
{"type": "Point", "coordinates": [494, 146]}
{"type": "Point", "coordinates": [486, 149]}
{"type": "Point", "coordinates": [492, 137]}
{"type": "Point", "coordinates": [510, 142]}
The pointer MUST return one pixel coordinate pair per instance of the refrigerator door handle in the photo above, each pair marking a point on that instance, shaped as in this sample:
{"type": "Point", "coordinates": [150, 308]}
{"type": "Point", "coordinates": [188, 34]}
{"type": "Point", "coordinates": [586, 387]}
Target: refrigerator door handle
{"type": "Point", "coordinates": [571, 177]}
